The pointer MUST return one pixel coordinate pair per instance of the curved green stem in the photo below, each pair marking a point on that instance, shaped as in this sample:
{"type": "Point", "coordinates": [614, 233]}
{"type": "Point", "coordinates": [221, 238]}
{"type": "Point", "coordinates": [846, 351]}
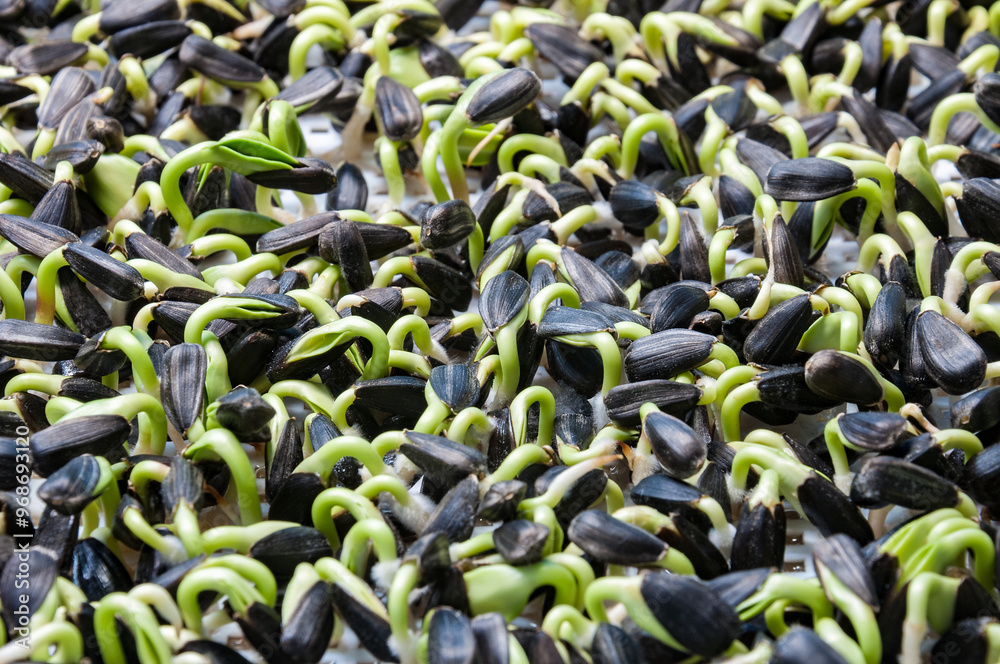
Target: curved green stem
{"type": "Point", "coordinates": [519, 408]}
{"type": "Point", "coordinates": [221, 443]}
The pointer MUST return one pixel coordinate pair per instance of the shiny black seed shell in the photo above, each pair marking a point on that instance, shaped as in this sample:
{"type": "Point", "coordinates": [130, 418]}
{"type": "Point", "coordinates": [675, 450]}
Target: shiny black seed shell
{"type": "Point", "coordinates": [503, 298]}
{"type": "Point", "coordinates": [842, 377]}
{"type": "Point", "coordinates": [831, 511]}
{"type": "Point", "coordinates": [760, 537]}
{"type": "Point", "coordinates": [207, 58]}
{"type": "Point", "coordinates": [885, 330]}
{"type": "Point", "coordinates": [446, 224]}
{"type": "Point", "coordinates": [56, 445]}
{"type": "Point", "coordinates": [397, 109]}
{"type": "Point", "coordinates": [33, 341]}
{"type": "Point", "coordinates": [691, 612]}
{"type": "Point", "coordinates": [34, 236]}
{"type": "Point", "coordinates": [680, 451]}
{"type": "Point", "coordinates": [775, 337]}
{"type": "Point", "coordinates": [593, 283]}
{"type": "Point", "coordinates": [442, 460]}
{"type": "Point", "coordinates": [951, 358]}
{"type": "Point", "coordinates": [808, 179]}
{"type": "Point", "coordinates": [886, 480]}
{"type": "Point", "coordinates": [503, 96]}
{"type": "Point", "coordinates": [521, 542]}
{"type": "Point", "coordinates": [563, 47]}
{"type": "Point", "coordinates": [72, 487]}
{"type": "Point", "coordinates": [612, 541]}
{"type": "Point", "coordinates": [116, 278]}
{"type": "Point", "coordinates": [46, 57]}
{"type": "Point", "coordinates": [667, 353]}
{"type": "Point", "coordinates": [97, 571]}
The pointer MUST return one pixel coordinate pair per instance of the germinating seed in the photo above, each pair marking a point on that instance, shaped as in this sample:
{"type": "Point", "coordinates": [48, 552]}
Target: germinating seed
{"type": "Point", "coordinates": [539, 363]}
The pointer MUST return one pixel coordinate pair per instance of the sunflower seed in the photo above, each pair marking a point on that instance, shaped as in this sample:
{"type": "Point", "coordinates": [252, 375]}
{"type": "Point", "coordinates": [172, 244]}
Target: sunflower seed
{"type": "Point", "coordinates": [842, 377]}
{"type": "Point", "coordinates": [116, 278]}
{"type": "Point", "coordinates": [145, 41]}
{"type": "Point", "coordinates": [25, 178]}
{"type": "Point", "coordinates": [565, 321]}
{"type": "Point", "coordinates": [808, 179]}
{"type": "Point", "coordinates": [871, 120]}
{"type": "Point", "coordinates": [455, 514]}
{"type": "Point", "coordinates": [446, 224]}
{"type": "Point", "coordinates": [885, 330]}
{"type": "Point", "coordinates": [735, 587]}
{"type": "Point", "coordinates": [214, 120]}
{"type": "Point", "coordinates": [47, 57]}
{"type": "Point", "coordinates": [978, 208]}
{"type": "Point", "coordinates": [72, 487]}
{"type": "Point", "coordinates": [987, 93]}
{"type": "Point", "coordinates": [501, 500]}
{"type": "Point", "coordinates": [347, 249]}
{"type": "Point", "coordinates": [521, 542]}
{"type": "Point", "coordinates": [456, 385]}
{"type": "Point", "coordinates": [402, 395]}
{"type": "Point", "coordinates": [884, 480]}
{"type": "Point", "coordinates": [490, 631]}
{"type": "Point", "coordinates": [81, 155]}
{"type": "Point", "coordinates": [694, 615]}
{"type": "Point", "coordinates": [443, 461]}
{"type": "Point", "coordinates": [310, 176]}
{"type": "Point", "coordinates": [115, 18]}
{"type": "Point", "coordinates": [59, 207]}
{"type": "Point", "coordinates": [297, 235]}
{"type": "Point", "coordinates": [609, 540]}
{"type": "Point", "coordinates": [952, 359]}
{"type": "Point", "coordinates": [379, 240]}
{"type": "Point", "coordinates": [504, 297]}
{"type": "Point", "coordinates": [785, 387]}
{"type": "Point", "coordinates": [564, 48]}
{"type": "Point", "coordinates": [243, 411]}
{"type": "Point", "coordinates": [306, 634]}
{"type": "Point", "coordinates": [310, 91]}
{"type": "Point", "coordinates": [840, 557]}
{"type": "Point", "coordinates": [666, 353]}
{"type": "Point", "coordinates": [32, 341]}
{"type": "Point", "coordinates": [97, 571]}
{"type": "Point", "coordinates": [350, 191]}
{"type": "Point", "coordinates": [981, 474]}
{"type": "Point", "coordinates": [73, 126]}
{"type": "Point", "coordinates": [677, 447]}
{"type": "Point", "coordinates": [760, 537]}
{"type": "Point", "coordinates": [977, 411]}
{"type": "Point", "coordinates": [775, 337]}
{"type": "Point", "coordinates": [503, 96]}
{"type": "Point", "coordinates": [225, 66]}
{"type": "Point", "coordinates": [803, 646]}
{"type": "Point", "coordinates": [831, 511]}
{"type": "Point", "coordinates": [294, 497]}
{"type": "Point", "coordinates": [397, 109]}
{"type": "Point", "coordinates": [438, 61]}
{"type": "Point", "coordinates": [921, 107]}
{"type": "Point", "coordinates": [85, 389]}
{"type": "Point", "coordinates": [49, 549]}
{"type": "Point", "coordinates": [593, 283]}
{"type": "Point", "coordinates": [580, 369]}
{"type": "Point", "coordinates": [261, 625]}
{"type": "Point", "coordinates": [285, 549]}
{"type": "Point", "coordinates": [635, 205]}
{"type": "Point", "coordinates": [140, 245]}
{"type": "Point", "coordinates": [11, 92]}
{"type": "Point", "coordinates": [54, 447]}
{"type": "Point", "coordinates": [678, 307]}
